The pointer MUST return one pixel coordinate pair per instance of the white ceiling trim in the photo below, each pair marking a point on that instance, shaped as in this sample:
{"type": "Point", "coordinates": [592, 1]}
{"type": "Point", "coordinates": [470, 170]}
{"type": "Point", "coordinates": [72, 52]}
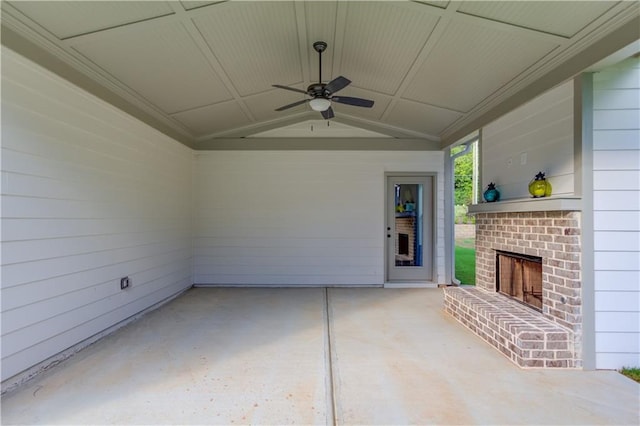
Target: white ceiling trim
{"type": "Point", "coordinates": [319, 129]}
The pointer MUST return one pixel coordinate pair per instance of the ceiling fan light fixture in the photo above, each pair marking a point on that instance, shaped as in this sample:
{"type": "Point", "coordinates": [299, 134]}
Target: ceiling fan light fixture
{"type": "Point", "coordinates": [320, 104]}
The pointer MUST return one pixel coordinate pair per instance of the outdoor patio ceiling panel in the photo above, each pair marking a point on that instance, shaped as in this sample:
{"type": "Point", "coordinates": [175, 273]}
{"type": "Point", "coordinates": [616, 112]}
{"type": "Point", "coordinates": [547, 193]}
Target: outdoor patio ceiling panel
{"type": "Point", "coordinates": [421, 118]}
{"type": "Point", "coordinates": [381, 42]}
{"type": "Point", "coordinates": [68, 19]}
{"type": "Point", "coordinates": [263, 105]}
{"type": "Point", "coordinates": [255, 42]}
{"type": "Point", "coordinates": [160, 63]}
{"type": "Point", "coordinates": [164, 59]}
{"type": "Point", "coordinates": [213, 118]}
{"type": "Point", "coordinates": [471, 62]}
{"type": "Point", "coordinates": [545, 16]}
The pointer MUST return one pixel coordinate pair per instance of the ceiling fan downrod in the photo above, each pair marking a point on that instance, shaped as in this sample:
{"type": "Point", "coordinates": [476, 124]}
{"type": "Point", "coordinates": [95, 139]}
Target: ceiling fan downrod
{"type": "Point", "coordinates": [320, 46]}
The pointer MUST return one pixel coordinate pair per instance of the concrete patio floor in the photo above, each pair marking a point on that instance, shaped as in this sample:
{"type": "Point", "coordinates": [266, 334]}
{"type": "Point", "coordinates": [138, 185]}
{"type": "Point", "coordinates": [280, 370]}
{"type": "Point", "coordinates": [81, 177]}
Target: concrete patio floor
{"type": "Point", "coordinates": [310, 356]}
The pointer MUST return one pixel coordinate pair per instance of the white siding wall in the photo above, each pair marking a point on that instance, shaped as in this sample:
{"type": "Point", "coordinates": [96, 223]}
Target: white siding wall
{"type": "Point", "coordinates": [616, 181]}
{"type": "Point", "coordinates": [541, 130]}
{"type": "Point", "coordinates": [89, 195]}
{"type": "Point", "coordinates": [298, 217]}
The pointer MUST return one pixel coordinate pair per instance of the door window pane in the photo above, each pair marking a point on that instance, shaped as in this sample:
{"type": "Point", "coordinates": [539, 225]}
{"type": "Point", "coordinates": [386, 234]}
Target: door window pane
{"type": "Point", "coordinates": [408, 224]}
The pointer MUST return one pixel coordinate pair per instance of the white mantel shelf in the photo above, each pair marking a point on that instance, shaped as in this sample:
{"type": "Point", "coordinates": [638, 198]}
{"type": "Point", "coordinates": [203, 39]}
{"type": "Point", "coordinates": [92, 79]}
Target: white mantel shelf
{"type": "Point", "coordinates": [529, 205]}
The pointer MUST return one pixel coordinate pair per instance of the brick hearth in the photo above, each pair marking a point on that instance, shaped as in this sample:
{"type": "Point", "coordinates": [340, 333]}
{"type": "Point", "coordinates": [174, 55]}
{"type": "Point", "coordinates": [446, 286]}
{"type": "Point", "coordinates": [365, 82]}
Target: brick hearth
{"type": "Point", "coordinates": [555, 237]}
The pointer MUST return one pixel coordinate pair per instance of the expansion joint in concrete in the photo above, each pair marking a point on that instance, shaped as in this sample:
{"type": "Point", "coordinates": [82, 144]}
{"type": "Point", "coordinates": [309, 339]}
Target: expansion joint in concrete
{"type": "Point", "coordinates": [331, 392]}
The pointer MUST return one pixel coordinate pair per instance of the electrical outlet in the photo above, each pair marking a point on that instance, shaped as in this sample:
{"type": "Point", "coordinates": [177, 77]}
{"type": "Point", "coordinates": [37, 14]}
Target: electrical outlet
{"type": "Point", "coordinates": [125, 283]}
{"type": "Point", "coordinates": [523, 158]}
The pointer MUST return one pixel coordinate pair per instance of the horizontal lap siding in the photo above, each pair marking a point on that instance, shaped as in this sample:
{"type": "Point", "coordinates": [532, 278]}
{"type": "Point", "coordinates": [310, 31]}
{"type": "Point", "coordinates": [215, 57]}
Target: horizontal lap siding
{"type": "Point", "coordinates": [542, 130]}
{"type": "Point", "coordinates": [616, 181]}
{"type": "Point", "coordinates": [89, 195]}
{"type": "Point", "coordinates": [297, 218]}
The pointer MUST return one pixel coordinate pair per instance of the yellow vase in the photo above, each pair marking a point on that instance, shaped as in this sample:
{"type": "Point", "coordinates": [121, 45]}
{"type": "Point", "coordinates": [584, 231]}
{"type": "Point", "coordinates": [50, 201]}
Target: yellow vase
{"type": "Point", "coordinates": [540, 187]}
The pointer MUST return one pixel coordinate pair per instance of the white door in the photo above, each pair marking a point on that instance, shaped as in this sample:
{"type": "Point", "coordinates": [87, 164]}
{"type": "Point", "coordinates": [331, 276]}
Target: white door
{"type": "Point", "coordinates": [409, 228]}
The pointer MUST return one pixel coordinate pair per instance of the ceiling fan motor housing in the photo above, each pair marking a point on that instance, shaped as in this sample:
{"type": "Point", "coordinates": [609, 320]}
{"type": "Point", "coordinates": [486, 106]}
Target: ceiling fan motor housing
{"type": "Point", "coordinates": [316, 90]}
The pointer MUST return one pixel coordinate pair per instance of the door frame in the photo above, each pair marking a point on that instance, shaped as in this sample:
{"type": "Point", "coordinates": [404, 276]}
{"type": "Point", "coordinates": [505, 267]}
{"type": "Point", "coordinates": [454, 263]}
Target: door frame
{"type": "Point", "coordinates": [430, 226]}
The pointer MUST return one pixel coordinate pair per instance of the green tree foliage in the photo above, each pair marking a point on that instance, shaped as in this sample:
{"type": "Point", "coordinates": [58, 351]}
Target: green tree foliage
{"type": "Point", "coordinates": [463, 178]}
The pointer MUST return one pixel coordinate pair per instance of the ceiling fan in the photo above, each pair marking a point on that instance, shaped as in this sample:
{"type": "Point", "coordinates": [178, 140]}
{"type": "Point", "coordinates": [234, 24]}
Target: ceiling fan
{"type": "Point", "coordinates": [322, 93]}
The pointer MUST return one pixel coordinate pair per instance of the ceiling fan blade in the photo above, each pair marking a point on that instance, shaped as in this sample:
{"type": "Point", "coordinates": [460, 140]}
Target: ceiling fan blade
{"type": "Point", "coordinates": [336, 84]}
{"type": "Point", "coordinates": [282, 108]}
{"type": "Point", "coordinates": [353, 101]}
{"type": "Point", "coordinates": [293, 89]}
{"type": "Point", "coordinates": [327, 114]}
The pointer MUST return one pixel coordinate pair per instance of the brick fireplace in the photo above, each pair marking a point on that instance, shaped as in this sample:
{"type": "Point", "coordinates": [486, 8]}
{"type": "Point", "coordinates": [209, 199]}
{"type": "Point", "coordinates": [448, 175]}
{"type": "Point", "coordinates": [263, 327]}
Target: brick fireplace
{"type": "Point", "coordinates": [545, 337]}
{"type": "Point", "coordinates": [405, 239]}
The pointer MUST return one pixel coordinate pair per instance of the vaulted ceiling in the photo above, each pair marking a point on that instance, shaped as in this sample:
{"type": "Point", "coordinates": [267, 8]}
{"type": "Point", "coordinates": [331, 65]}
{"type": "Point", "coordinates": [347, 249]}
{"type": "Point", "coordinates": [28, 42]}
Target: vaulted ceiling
{"type": "Point", "coordinates": [203, 70]}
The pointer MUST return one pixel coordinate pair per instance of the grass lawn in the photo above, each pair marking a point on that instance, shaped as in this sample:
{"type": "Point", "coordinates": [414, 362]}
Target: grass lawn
{"type": "Point", "coordinates": [466, 264]}
{"type": "Point", "coordinates": [632, 373]}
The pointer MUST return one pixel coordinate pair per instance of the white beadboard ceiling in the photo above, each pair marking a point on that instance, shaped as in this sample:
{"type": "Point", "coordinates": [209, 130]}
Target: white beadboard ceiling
{"type": "Point", "coordinates": [203, 70]}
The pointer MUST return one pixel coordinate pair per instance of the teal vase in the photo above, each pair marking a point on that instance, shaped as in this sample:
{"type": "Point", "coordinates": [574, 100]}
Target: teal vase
{"type": "Point", "coordinates": [491, 194]}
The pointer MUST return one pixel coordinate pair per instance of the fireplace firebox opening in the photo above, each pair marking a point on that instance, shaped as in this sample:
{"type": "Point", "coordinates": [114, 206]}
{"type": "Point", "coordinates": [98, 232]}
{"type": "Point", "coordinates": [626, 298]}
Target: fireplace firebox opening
{"type": "Point", "coordinates": [519, 276]}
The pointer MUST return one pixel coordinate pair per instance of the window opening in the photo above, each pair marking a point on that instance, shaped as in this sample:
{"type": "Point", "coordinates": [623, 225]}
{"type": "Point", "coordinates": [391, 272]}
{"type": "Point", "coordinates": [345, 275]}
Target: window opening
{"type": "Point", "coordinates": [465, 193]}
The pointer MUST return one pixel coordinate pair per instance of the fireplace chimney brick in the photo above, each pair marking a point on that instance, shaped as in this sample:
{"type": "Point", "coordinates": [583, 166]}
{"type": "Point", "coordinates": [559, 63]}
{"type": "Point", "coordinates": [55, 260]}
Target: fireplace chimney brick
{"type": "Point", "coordinates": [566, 273]}
{"type": "Point", "coordinates": [543, 354]}
{"type": "Point", "coordinates": [552, 230]}
{"type": "Point", "coordinates": [575, 284]}
{"type": "Point", "coordinates": [531, 336]}
{"type": "Point", "coordinates": [556, 263]}
{"type": "Point", "coordinates": [556, 363]}
{"type": "Point", "coordinates": [566, 223]}
{"type": "Point", "coordinates": [557, 345]}
{"type": "Point", "coordinates": [554, 246]}
{"type": "Point", "coordinates": [574, 257]}
{"type": "Point", "coordinates": [563, 355]}
{"type": "Point", "coordinates": [563, 239]}
{"type": "Point", "coordinates": [572, 248]}
{"type": "Point", "coordinates": [571, 292]}
{"type": "Point", "coordinates": [532, 345]}
{"type": "Point", "coordinates": [556, 336]}
{"type": "Point", "coordinates": [546, 254]}
{"type": "Point", "coordinates": [556, 280]}
{"type": "Point", "coordinates": [552, 296]}
{"type": "Point", "coordinates": [572, 231]}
